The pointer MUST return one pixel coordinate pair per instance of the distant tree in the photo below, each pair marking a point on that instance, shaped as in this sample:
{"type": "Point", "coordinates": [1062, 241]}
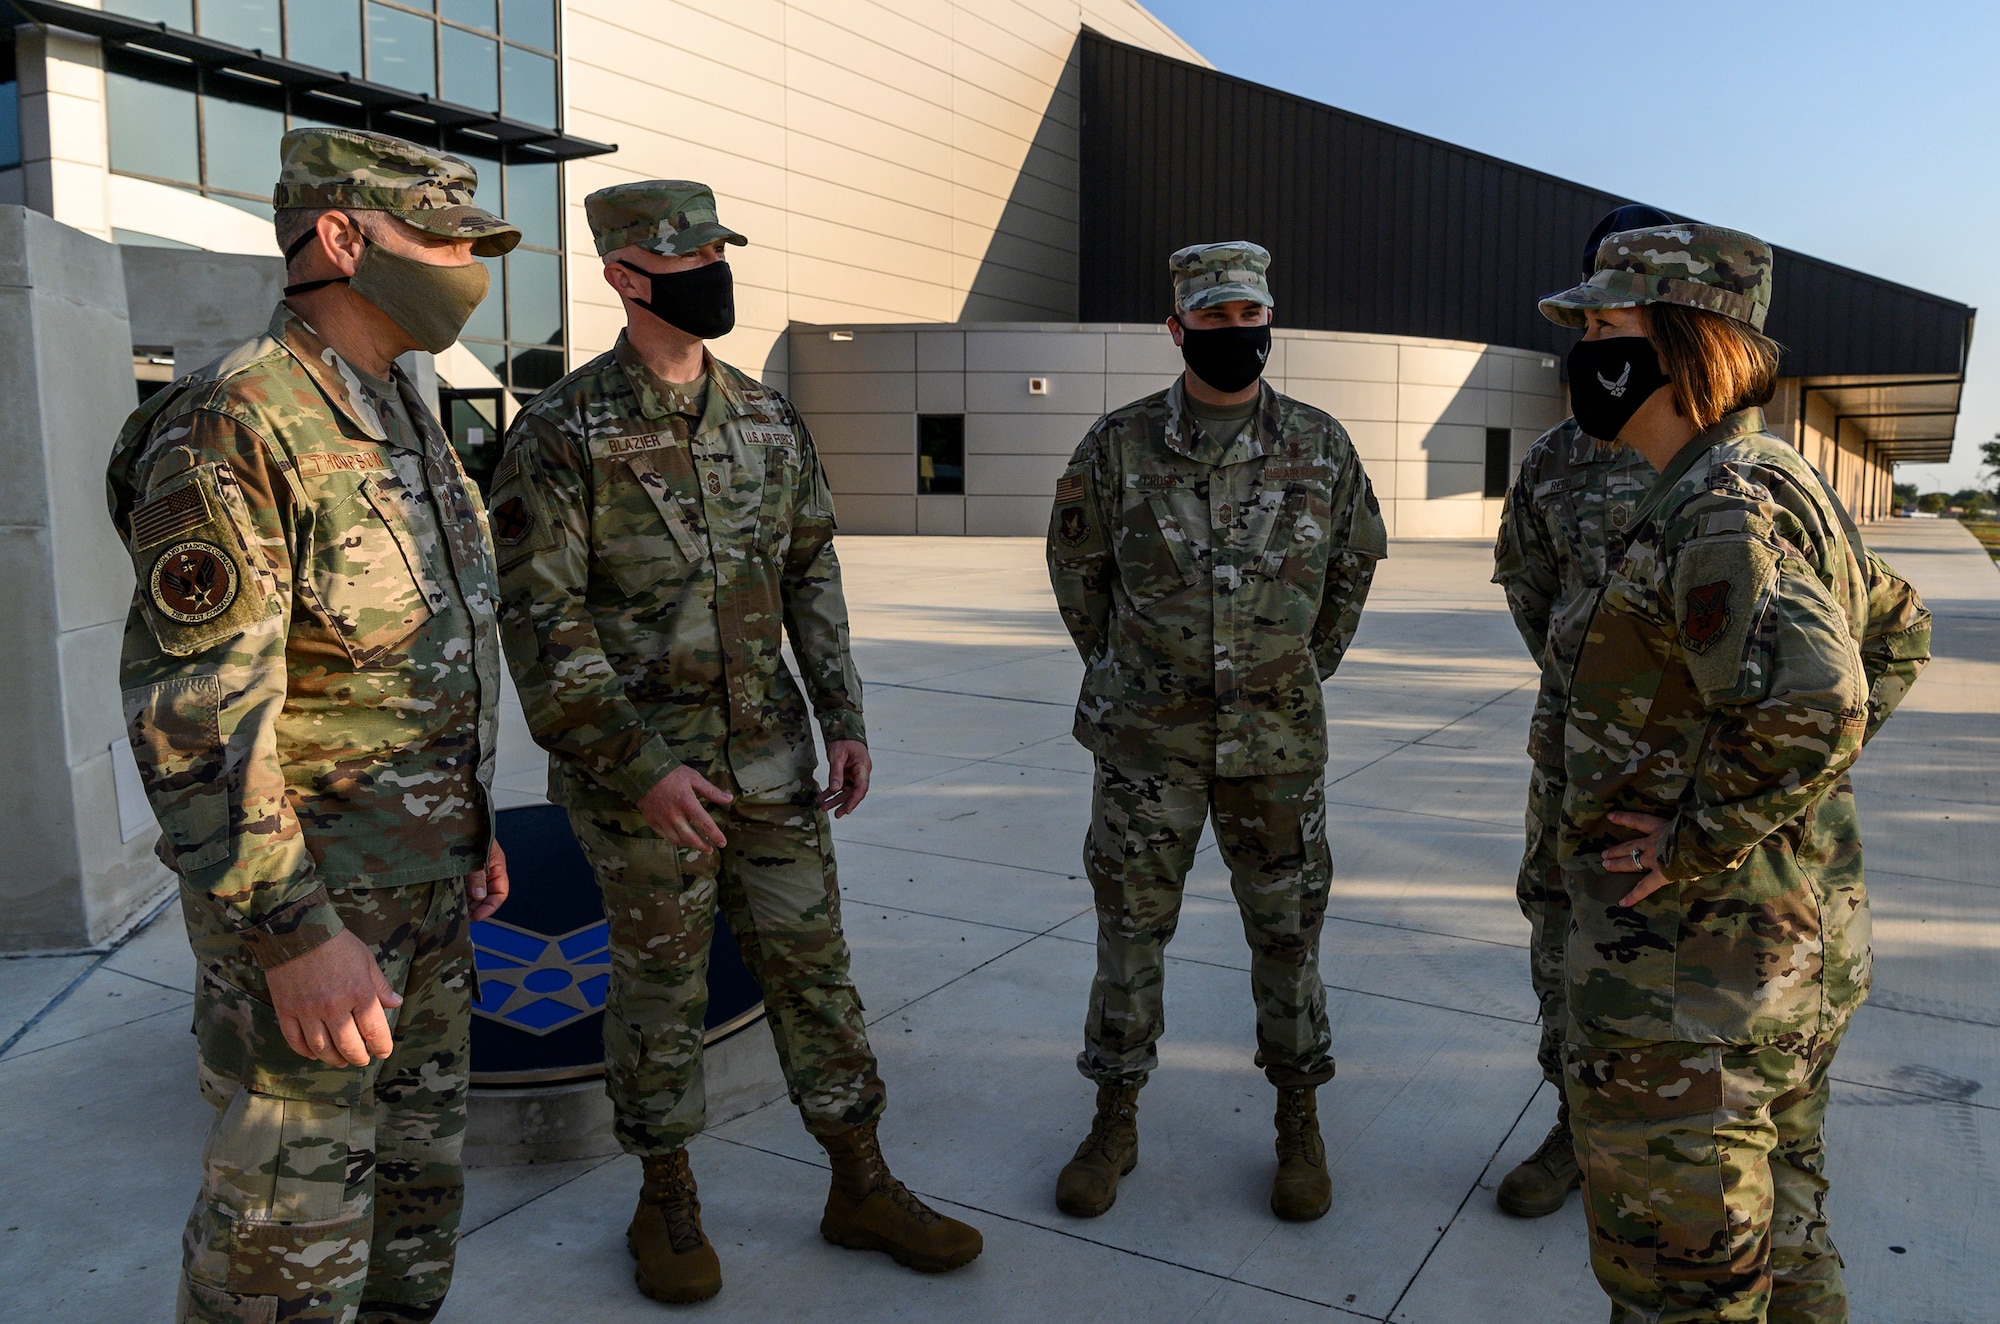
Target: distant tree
{"type": "Point", "coordinates": [1906, 494]}
{"type": "Point", "coordinates": [1933, 503]}
{"type": "Point", "coordinates": [1989, 463]}
{"type": "Point", "coordinates": [1965, 494]}
{"type": "Point", "coordinates": [1973, 505]}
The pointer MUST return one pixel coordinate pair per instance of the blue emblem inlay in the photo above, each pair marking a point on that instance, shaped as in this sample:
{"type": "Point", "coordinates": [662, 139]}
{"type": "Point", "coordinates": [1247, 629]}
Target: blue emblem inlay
{"type": "Point", "coordinates": [538, 983]}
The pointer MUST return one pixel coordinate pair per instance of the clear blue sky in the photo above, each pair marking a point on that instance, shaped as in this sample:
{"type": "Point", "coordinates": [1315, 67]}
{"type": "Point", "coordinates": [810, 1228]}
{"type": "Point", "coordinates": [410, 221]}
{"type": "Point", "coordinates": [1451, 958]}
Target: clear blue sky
{"type": "Point", "coordinates": [1867, 134]}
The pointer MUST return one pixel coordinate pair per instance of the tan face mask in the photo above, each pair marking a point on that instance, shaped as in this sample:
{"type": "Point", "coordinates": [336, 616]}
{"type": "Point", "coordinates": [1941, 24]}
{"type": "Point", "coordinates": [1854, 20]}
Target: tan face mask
{"type": "Point", "coordinates": [431, 303]}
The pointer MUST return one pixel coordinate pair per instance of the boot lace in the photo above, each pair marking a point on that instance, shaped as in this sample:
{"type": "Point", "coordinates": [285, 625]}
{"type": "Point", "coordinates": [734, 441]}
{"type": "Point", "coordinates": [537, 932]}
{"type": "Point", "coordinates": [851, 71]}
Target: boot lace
{"type": "Point", "coordinates": [671, 1188]}
{"type": "Point", "coordinates": [1113, 1115]}
{"type": "Point", "coordinates": [868, 1157]}
{"type": "Point", "coordinates": [1298, 1137]}
{"type": "Point", "coordinates": [1558, 1149]}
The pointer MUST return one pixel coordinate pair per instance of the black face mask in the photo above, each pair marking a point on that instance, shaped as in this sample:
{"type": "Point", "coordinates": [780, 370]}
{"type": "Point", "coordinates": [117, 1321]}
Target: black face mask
{"type": "Point", "coordinates": [1609, 380]}
{"type": "Point", "coordinates": [699, 300]}
{"type": "Point", "coordinates": [1228, 358]}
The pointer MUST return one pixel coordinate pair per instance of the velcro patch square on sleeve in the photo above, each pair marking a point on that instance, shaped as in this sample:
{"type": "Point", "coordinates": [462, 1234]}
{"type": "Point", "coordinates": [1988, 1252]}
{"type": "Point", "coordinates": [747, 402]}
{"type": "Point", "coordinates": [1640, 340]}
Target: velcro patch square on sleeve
{"type": "Point", "coordinates": [205, 582]}
{"type": "Point", "coordinates": [1069, 488]}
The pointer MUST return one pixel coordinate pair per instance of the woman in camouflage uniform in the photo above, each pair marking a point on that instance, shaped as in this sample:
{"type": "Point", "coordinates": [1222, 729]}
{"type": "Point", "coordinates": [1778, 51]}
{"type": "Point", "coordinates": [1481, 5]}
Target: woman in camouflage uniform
{"type": "Point", "coordinates": [1709, 845]}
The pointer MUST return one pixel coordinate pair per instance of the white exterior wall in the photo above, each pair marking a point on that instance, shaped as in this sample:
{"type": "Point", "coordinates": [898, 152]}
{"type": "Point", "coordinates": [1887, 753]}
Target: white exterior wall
{"type": "Point", "coordinates": [1417, 410]}
{"type": "Point", "coordinates": [889, 160]}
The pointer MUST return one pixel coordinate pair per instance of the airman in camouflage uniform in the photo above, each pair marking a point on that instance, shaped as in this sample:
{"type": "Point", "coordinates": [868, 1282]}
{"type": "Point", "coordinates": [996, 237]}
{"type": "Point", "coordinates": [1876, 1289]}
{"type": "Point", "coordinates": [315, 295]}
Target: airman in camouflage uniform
{"type": "Point", "coordinates": [1718, 698]}
{"type": "Point", "coordinates": [1562, 528]}
{"type": "Point", "coordinates": [658, 542]}
{"type": "Point", "coordinates": [311, 677]}
{"type": "Point", "coordinates": [1211, 569]}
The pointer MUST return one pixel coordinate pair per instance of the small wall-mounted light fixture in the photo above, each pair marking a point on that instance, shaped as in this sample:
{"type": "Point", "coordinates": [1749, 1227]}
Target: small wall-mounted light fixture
{"type": "Point", "coordinates": [1038, 386]}
{"type": "Point", "coordinates": [839, 335]}
{"type": "Point", "coordinates": [1548, 363]}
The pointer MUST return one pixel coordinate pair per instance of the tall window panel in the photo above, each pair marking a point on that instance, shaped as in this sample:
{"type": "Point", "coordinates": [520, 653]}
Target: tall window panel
{"type": "Point", "coordinates": [10, 106]}
{"type": "Point", "coordinates": [219, 136]}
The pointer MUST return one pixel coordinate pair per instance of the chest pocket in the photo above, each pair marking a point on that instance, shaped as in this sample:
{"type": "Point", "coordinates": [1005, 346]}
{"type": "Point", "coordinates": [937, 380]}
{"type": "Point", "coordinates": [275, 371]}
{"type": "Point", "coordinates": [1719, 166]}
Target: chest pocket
{"type": "Point", "coordinates": [1300, 543]}
{"type": "Point", "coordinates": [1163, 541]}
{"type": "Point", "coordinates": [645, 530]}
{"type": "Point", "coordinates": [772, 458]}
{"type": "Point", "coordinates": [368, 572]}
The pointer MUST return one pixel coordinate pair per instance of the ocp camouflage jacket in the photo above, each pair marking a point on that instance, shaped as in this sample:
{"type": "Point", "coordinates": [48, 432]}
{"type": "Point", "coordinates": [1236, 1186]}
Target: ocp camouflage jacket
{"type": "Point", "coordinates": [652, 572]}
{"type": "Point", "coordinates": [1562, 528]}
{"type": "Point", "coordinates": [1720, 685]}
{"type": "Point", "coordinates": [311, 681]}
{"type": "Point", "coordinates": [1212, 588]}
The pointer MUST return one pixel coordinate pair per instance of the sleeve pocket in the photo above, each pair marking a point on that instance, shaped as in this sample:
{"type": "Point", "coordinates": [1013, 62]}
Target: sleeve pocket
{"type": "Point", "coordinates": [175, 729]}
{"type": "Point", "coordinates": [201, 577]}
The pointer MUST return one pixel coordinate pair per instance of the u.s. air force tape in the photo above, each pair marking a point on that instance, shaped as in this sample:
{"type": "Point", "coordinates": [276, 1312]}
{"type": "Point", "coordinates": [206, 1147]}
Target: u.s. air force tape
{"type": "Point", "coordinates": [193, 582]}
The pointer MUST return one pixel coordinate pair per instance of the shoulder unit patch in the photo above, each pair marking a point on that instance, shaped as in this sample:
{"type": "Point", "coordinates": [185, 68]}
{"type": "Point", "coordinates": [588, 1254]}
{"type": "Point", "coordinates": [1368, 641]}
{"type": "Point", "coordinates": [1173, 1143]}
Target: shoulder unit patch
{"type": "Point", "coordinates": [512, 520]}
{"type": "Point", "coordinates": [193, 582]}
{"type": "Point", "coordinates": [1705, 613]}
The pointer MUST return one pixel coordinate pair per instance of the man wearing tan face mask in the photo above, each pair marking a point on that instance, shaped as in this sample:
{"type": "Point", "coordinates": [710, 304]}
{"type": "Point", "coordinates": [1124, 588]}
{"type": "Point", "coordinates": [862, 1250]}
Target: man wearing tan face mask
{"type": "Point", "coordinates": [311, 684]}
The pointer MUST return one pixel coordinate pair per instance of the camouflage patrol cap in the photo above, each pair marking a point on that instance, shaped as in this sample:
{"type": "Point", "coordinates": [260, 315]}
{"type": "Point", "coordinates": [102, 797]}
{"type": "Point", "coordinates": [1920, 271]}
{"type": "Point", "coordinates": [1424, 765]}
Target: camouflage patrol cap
{"type": "Point", "coordinates": [1699, 266]}
{"type": "Point", "coordinates": [1209, 274]}
{"type": "Point", "coordinates": [664, 216]}
{"type": "Point", "coordinates": [364, 171]}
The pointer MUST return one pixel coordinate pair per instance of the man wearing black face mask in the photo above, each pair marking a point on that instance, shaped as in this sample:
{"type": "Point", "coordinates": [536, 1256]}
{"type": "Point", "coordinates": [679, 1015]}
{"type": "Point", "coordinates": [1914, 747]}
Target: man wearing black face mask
{"type": "Point", "coordinates": [1561, 530]}
{"type": "Point", "coordinates": [663, 528]}
{"type": "Point", "coordinates": [1210, 546]}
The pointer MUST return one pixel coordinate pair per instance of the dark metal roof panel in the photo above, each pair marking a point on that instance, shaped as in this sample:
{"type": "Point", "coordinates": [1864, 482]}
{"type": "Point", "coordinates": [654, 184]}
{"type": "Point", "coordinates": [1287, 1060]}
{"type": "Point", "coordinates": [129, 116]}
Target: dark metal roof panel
{"type": "Point", "coordinates": [1376, 229]}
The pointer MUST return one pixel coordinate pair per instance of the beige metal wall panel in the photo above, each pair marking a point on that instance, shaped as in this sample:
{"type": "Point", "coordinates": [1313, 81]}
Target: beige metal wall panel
{"type": "Point", "coordinates": [868, 434]}
{"type": "Point", "coordinates": [1424, 441]}
{"type": "Point", "coordinates": [889, 160]}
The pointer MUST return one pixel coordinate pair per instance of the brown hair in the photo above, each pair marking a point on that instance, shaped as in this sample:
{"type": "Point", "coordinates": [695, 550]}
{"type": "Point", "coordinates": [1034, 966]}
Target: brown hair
{"type": "Point", "coordinates": [1716, 364]}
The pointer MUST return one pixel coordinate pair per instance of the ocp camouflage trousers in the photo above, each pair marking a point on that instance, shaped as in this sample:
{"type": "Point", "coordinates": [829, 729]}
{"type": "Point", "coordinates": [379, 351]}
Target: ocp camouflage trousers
{"type": "Point", "coordinates": [1545, 901]}
{"type": "Point", "coordinates": [1145, 828]}
{"type": "Point", "coordinates": [1704, 1180]}
{"type": "Point", "coordinates": [776, 882]}
{"type": "Point", "coordinates": [330, 1194]}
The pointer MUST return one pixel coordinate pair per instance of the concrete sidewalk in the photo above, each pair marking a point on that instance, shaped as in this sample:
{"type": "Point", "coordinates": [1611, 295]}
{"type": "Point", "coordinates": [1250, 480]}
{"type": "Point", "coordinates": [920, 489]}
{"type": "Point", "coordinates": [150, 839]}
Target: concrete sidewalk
{"type": "Point", "coordinates": [972, 937]}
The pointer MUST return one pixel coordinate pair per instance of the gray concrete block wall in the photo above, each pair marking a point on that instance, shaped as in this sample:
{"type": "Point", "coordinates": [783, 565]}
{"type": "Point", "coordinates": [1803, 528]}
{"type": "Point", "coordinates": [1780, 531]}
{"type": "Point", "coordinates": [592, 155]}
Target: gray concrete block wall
{"type": "Point", "coordinates": [70, 878]}
{"type": "Point", "coordinates": [202, 304]}
{"type": "Point", "coordinates": [1418, 411]}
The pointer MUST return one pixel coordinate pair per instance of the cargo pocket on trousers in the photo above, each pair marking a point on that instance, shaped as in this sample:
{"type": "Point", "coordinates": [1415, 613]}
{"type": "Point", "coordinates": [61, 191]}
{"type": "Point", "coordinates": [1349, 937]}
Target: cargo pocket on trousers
{"type": "Point", "coordinates": [285, 1199]}
{"type": "Point", "coordinates": [201, 1304]}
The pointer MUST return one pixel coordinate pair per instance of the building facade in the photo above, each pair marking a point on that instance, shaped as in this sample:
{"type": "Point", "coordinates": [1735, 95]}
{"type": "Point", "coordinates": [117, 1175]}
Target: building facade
{"type": "Point", "coordinates": [1016, 172]}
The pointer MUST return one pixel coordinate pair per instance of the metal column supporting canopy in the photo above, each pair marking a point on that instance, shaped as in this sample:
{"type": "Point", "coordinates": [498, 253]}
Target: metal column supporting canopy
{"type": "Point", "coordinates": [544, 965]}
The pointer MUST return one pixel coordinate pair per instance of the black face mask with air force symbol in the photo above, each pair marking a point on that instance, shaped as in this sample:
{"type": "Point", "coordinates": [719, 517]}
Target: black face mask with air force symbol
{"type": "Point", "coordinates": [1609, 380]}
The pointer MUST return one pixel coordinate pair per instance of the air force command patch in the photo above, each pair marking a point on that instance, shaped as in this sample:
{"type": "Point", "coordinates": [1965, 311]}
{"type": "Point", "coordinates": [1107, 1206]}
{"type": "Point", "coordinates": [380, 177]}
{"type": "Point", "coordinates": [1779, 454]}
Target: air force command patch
{"type": "Point", "coordinates": [193, 582]}
{"type": "Point", "coordinates": [1706, 614]}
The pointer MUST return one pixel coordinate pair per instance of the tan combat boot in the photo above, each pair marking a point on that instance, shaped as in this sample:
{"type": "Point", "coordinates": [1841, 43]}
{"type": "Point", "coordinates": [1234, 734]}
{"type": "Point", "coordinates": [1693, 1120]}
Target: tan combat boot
{"type": "Point", "coordinates": [1540, 1185]}
{"type": "Point", "coordinates": [1301, 1191]}
{"type": "Point", "coordinates": [1088, 1183]}
{"type": "Point", "coordinates": [676, 1263]}
{"type": "Point", "coordinates": [868, 1209]}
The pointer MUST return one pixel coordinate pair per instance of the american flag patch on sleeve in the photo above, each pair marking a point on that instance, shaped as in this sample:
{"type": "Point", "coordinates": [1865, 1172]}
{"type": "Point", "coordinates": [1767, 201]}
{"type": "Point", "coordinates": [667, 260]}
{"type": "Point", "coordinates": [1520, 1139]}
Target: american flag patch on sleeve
{"type": "Point", "coordinates": [1069, 488]}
